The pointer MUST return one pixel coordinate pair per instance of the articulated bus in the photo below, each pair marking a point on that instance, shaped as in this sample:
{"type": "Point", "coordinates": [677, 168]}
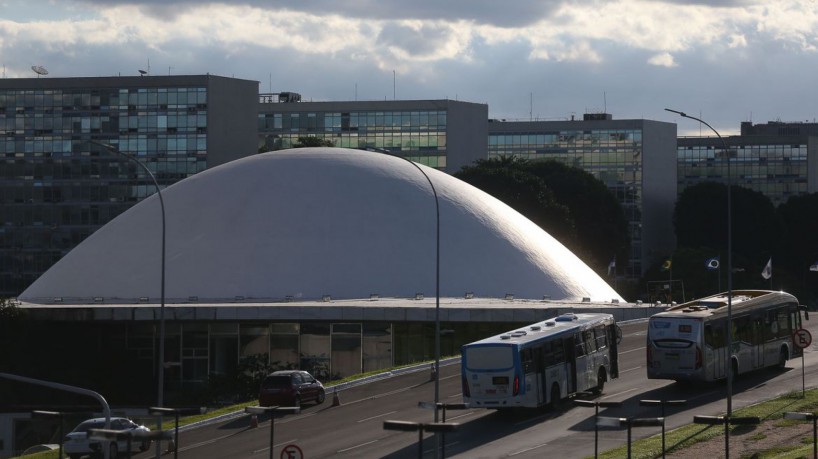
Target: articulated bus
{"type": "Point", "coordinates": [688, 342]}
{"type": "Point", "coordinates": [542, 363]}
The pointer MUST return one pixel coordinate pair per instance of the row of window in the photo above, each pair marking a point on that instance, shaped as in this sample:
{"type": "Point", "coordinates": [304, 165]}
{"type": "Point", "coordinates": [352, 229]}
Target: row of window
{"type": "Point", "coordinates": [753, 329]}
{"type": "Point", "coordinates": [99, 98]}
{"type": "Point", "coordinates": [624, 138]}
{"type": "Point", "coordinates": [353, 121]}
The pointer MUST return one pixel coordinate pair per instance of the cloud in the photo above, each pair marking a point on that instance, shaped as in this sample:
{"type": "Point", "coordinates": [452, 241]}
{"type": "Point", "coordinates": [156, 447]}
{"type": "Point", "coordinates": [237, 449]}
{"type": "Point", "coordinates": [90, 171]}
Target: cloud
{"type": "Point", "coordinates": [662, 60]}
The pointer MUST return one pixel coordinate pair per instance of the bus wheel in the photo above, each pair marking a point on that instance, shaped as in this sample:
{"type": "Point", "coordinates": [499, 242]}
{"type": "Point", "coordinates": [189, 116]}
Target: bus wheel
{"type": "Point", "coordinates": [601, 377]}
{"type": "Point", "coordinates": [782, 358]}
{"type": "Point", "coordinates": [734, 368]}
{"type": "Point", "coordinates": [556, 398]}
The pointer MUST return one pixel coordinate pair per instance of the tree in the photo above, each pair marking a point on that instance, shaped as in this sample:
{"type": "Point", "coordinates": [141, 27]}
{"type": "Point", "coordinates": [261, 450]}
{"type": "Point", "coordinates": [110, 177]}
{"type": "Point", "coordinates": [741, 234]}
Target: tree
{"type": "Point", "coordinates": [601, 224]}
{"type": "Point", "coordinates": [524, 192]}
{"type": "Point", "coordinates": [700, 220]}
{"type": "Point", "coordinates": [312, 141]}
{"type": "Point", "coordinates": [567, 202]}
{"type": "Point", "coordinates": [799, 233]}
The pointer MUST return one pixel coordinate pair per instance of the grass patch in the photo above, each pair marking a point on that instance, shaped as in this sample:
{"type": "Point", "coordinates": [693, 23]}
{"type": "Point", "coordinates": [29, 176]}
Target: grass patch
{"type": "Point", "coordinates": [686, 436]}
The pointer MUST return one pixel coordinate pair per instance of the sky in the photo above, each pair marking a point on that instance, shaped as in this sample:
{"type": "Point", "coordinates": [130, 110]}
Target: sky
{"type": "Point", "coordinates": [724, 61]}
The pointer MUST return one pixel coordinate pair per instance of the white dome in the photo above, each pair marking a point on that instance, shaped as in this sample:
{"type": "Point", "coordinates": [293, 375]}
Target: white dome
{"type": "Point", "coordinates": [319, 221]}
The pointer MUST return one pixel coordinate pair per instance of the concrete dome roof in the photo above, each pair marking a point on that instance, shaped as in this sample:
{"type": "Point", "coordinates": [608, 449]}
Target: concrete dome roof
{"type": "Point", "coordinates": [319, 221]}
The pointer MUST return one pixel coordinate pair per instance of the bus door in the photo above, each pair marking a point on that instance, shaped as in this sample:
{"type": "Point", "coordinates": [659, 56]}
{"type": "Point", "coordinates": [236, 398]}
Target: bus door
{"type": "Point", "coordinates": [571, 360]}
{"type": "Point", "coordinates": [534, 378]}
{"type": "Point", "coordinates": [715, 349]}
{"type": "Point", "coordinates": [582, 360]}
{"type": "Point", "coordinates": [757, 341]}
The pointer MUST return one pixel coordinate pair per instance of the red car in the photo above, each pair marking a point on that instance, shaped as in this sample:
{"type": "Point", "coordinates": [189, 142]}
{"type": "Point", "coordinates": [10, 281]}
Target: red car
{"type": "Point", "coordinates": [290, 388]}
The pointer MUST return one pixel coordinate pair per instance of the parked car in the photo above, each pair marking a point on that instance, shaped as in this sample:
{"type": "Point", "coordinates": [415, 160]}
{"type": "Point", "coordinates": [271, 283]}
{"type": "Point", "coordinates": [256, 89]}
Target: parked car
{"type": "Point", "coordinates": [77, 444]}
{"type": "Point", "coordinates": [290, 388]}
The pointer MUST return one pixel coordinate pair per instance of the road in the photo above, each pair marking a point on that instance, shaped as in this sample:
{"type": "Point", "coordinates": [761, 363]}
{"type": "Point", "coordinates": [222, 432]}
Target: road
{"type": "Point", "coordinates": [355, 428]}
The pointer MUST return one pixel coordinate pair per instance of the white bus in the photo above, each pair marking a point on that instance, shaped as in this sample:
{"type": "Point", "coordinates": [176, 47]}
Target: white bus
{"type": "Point", "coordinates": [688, 342]}
{"type": "Point", "coordinates": [542, 363]}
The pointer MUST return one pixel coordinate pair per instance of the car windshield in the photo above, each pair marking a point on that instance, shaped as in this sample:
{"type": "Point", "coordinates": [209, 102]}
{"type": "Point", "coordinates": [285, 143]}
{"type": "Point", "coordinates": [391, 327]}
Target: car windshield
{"type": "Point", "coordinates": [274, 381]}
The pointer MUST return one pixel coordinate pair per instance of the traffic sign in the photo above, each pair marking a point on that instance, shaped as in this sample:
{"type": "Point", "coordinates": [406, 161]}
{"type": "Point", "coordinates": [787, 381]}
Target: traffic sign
{"type": "Point", "coordinates": [292, 452]}
{"type": "Point", "coordinates": [802, 338]}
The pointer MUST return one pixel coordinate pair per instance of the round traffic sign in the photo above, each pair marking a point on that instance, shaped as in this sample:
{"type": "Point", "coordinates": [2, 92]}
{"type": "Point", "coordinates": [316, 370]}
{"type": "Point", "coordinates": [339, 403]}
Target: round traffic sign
{"type": "Point", "coordinates": [802, 338]}
{"type": "Point", "coordinates": [292, 452]}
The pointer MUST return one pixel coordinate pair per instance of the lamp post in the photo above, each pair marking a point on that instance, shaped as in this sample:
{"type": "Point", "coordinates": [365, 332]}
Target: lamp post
{"type": "Point", "coordinates": [256, 410]}
{"type": "Point", "coordinates": [596, 404]}
{"type": "Point", "coordinates": [728, 361]}
{"type": "Point", "coordinates": [726, 421]}
{"type": "Point", "coordinates": [630, 423]}
{"type": "Point", "coordinates": [663, 404]}
{"type": "Point", "coordinates": [56, 414]}
{"type": "Point", "coordinates": [158, 410]}
{"type": "Point", "coordinates": [160, 391]}
{"type": "Point", "coordinates": [437, 273]}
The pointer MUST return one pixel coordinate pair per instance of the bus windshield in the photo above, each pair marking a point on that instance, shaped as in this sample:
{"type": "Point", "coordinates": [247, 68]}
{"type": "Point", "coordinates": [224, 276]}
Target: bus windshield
{"type": "Point", "coordinates": [489, 357]}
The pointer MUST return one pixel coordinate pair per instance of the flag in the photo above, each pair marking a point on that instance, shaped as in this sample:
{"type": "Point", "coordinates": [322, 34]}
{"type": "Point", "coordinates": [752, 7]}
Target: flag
{"type": "Point", "coordinates": [612, 266]}
{"type": "Point", "coordinates": [768, 270]}
{"type": "Point", "coordinates": [666, 265]}
{"type": "Point", "coordinates": [814, 266]}
{"type": "Point", "coordinates": [712, 263]}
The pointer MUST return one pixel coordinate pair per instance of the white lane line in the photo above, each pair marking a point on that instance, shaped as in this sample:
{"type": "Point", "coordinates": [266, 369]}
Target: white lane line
{"type": "Point", "coordinates": [629, 369]}
{"type": "Point", "coordinates": [376, 417]}
{"type": "Point", "coordinates": [632, 350]}
{"type": "Point", "coordinates": [356, 446]}
{"type": "Point", "coordinates": [451, 418]}
{"type": "Point", "coordinates": [534, 419]}
{"type": "Point", "coordinates": [528, 449]}
{"type": "Point", "coordinates": [276, 445]}
{"type": "Point", "coordinates": [623, 392]}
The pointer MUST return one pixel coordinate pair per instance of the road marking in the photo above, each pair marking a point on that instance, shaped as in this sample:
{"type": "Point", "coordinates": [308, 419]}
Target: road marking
{"type": "Point", "coordinates": [357, 446]}
{"type": "Point", "coordinates": [461, 415]}
{"type": "Point", "coordinates": [376, 417]}
{"type": "Point", "coordinates": [534, 419]}
{"type": "Point", "coordinates": [629, 369]}
{"type": "Point", "coordinates": [278, 444]}
{"type": "Point", "coordinates": [528, 449]}
{"type": "Point", "coordinates": [632, 350]}
{"type": "Point", "coordinates": [623, 392]}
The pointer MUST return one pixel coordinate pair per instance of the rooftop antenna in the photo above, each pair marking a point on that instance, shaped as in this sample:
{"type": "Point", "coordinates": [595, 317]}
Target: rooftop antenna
{"type": "Point", "coordinates": [531, 106]}
{"type": "Point", "coordinates": [38, 69]}
{"type": "Point", "coordinates": [604, 102]}
{"type": "Point", "coordinates": [142, 72]}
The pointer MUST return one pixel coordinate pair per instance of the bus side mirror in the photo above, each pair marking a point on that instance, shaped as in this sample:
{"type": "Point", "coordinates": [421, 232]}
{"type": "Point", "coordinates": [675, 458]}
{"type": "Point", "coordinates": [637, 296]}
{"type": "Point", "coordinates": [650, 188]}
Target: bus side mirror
{"type": "Point", "coordinates": [806, 312]}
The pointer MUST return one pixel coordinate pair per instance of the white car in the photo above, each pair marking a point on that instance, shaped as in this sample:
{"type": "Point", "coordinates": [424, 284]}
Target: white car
{"type": "Point", "coordinates": [77, 444]}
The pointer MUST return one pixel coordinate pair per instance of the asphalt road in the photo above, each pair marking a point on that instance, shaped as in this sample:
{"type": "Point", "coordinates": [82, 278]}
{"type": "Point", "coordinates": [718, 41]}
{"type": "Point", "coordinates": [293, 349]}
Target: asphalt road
{"type": "Point", "coordinates": [355, 428]}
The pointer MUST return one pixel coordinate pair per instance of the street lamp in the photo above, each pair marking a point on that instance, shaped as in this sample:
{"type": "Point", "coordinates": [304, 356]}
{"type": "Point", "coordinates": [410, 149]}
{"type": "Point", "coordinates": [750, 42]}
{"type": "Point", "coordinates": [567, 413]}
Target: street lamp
{"type": "Point", "coordinates": [728, 363]}
{"type": "Point", "coordinates": [256, 410]}
{"type": "Point", "coordinates": [630, 423]}
{"type": "Point", "coordinates": [437, 273]}
{"type": "Point", "coordinates": [160, 411]}
{"type": "Point", "coordinates": [49, 414]}
{"type": "Point", "coordinates": [160, 397]}
{"type": "Point", "coordinates": [409, 426]}
{"type": "Point", "coordinates": [596, 405]}
{"type": "Point", "coordinates": [726, 421]}
{"type": "Point", "coordinates": [663, 404]}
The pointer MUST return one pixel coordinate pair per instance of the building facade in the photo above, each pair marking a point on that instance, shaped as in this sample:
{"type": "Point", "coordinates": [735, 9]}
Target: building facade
{"type": "Point", "coordinates": [777, 159]}
{"type": "Point", "coordinates": [444, 134]}
{"type": "Point", "coordinates": [57, 187]}
{"type": "Point", "coordinates": [634, 158]}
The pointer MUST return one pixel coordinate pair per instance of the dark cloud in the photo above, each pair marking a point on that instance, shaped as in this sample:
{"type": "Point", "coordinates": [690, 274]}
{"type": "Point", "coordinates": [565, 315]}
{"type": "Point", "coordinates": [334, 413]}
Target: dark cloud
{"type": "Point", "coordinates": [495, 12]}
{"type": "Point", "coordinates": [415, 42]}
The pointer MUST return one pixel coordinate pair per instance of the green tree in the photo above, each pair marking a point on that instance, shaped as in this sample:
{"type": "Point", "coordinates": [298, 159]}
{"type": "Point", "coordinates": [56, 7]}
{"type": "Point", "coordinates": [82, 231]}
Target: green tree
{"type": "Point", "coordinates": [602, 227]}
{"type": "Point", "coordinates": [507, 180]}
{"type": "Point", "coordinates": [799, 250]}
{"type": "Point", "coordinates": [567, 202]}
{"type": "Point", "coordinates": [312, 141]}
{"type": "Point", "coordinates": [700, 220]}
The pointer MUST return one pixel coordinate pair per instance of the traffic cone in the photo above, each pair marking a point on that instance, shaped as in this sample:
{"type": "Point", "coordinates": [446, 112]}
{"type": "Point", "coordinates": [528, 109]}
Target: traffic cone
{"type": "Point", "coordinates": [335, 400]}
{"type": "Point", "coordinates": [254, 421]}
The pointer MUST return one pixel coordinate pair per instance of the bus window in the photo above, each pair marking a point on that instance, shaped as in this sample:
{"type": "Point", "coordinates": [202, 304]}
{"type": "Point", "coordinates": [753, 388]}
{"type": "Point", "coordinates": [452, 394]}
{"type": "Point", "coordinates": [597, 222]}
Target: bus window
{"type": "Point", "coordinates": [601, 337]}
{"type": "Point", "coordinates": [553, 353]}
{"type": "Point", "coordinates": [590, 341]}
{"type": "Point", "coordinates": [782, 318]}
{"type": "Point", "coordinates": [715, 335]}
{"type": "Point", "coordinates": [579, 345]}
{"type": "Point", "coordinates": [527, 359]}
